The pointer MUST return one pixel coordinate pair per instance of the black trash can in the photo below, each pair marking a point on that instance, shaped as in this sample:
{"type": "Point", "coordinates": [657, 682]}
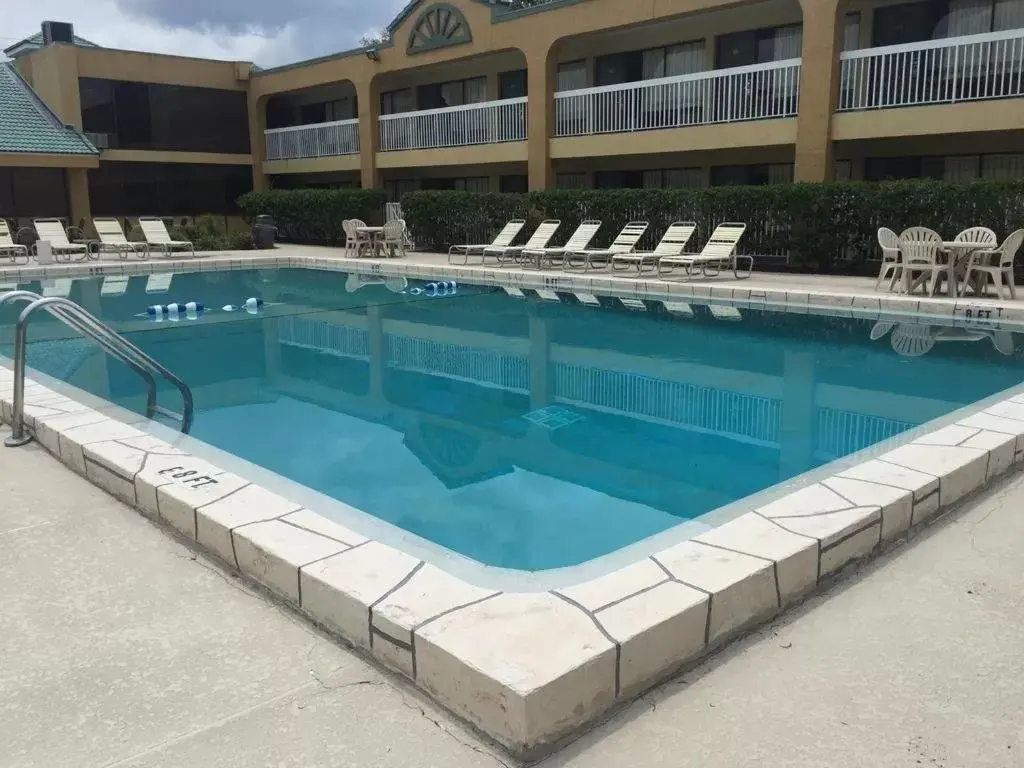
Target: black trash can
{"type": "Point", "coordinates": [263, 232]}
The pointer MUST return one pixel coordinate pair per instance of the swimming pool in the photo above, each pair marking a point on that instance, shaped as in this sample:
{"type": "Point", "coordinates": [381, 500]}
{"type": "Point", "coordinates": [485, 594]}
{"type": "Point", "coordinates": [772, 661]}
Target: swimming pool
{"type": "Point", "coordinates": [522, 433]}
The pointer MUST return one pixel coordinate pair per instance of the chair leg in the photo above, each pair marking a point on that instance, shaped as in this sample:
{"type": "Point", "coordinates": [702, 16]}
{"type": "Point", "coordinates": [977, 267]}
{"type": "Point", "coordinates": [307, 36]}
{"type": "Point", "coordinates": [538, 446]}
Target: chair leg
{"type": "Point", "coordinates": [1008, 276]}
{"type": "Point", "coordinates": [886, 266]}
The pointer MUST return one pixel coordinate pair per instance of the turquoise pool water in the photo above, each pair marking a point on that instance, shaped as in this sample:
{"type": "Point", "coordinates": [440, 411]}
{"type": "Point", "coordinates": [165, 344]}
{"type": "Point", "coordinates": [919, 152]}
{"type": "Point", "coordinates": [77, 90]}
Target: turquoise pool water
{"type": "Point", "coordinates": [521, 433]}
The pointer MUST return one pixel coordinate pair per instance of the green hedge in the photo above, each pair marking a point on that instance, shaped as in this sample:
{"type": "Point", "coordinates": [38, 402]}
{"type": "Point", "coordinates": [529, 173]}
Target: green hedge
{"type": "Point", "coordinates": [807, 227]}
{"type": "Point", "coordinates": [313, 215]}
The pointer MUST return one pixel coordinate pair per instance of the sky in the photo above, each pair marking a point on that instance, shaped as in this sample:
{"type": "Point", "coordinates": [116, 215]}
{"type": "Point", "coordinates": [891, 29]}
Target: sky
{"type": "Point", "coordinates": [267, 32]}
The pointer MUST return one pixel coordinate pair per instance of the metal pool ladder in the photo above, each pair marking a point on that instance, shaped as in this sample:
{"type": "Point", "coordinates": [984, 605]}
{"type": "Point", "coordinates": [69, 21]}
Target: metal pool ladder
{"type": "Point", "coordinates": [110, 341]}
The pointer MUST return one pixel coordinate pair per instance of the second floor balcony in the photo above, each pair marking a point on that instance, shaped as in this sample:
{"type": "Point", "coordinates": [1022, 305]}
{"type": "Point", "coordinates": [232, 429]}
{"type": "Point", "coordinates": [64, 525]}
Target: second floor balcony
{"type": "Point", "coordinates": [488, 122]}
{"type": "Point", "coordinates": [945, 71]}
{"type": "Point", "coordinates": [756, 92]}
{"type": "Point", "coordinates": [340, 137]}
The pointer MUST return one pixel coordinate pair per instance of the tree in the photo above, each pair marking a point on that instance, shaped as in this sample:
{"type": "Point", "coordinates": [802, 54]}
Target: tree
{"type": "Point", "coordinates": [375, 39]}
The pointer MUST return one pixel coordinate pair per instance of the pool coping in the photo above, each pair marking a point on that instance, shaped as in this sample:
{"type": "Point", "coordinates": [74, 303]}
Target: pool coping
{"type": "Point", "coordinates": [529, 668]}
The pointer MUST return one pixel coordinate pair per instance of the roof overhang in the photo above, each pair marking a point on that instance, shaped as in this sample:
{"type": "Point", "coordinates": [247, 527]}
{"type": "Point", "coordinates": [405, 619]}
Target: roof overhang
{"type": "Point", "coordinates": [34, 160]}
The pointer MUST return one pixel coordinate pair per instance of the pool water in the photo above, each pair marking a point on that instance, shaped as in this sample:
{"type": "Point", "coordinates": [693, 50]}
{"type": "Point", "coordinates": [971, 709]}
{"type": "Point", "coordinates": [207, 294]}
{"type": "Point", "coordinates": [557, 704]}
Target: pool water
{"type": "Point", "coordinates": [520, 433]}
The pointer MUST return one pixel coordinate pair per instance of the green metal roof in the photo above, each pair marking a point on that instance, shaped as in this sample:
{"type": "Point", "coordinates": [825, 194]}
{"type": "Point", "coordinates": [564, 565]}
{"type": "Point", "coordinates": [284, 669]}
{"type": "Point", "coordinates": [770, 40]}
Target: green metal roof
{"type": "Point", "coordinates": [28, 125]}
{"type": "Point", "coordinates": [35, 42]}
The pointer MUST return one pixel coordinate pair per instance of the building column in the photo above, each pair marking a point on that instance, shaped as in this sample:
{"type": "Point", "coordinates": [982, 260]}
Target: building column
{"type": "Point", "coordinates": [819, 86]}
{"type": "Point", "coordinates": [541, 71]}
{"type": "Point", "coordinates": [79, 211]}
{"type": "Point", "coordinates": [368, 103]}
{"type": "Point", "coordinates": [258, 139]}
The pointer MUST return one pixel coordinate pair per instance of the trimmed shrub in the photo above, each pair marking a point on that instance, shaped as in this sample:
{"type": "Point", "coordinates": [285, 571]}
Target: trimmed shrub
{"type": "Point", "coordinates": [806, 227]}
{"type": "Point", "coordinates": [210, 233]}
{"type": "Point", "coordinates": [313, 215]}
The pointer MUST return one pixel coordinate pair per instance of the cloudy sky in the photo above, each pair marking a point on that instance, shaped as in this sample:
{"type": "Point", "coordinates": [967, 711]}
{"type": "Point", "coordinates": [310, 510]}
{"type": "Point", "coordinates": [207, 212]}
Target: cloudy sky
{"type": "Point", "coordinates": [269, 32]}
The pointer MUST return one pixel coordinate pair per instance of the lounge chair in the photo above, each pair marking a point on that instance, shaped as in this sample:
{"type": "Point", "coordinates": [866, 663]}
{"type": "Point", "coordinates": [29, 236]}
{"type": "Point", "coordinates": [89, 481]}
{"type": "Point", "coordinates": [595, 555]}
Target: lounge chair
{"type": "Point", "coordinates": [624, 243]}
{"type": "Point", "coordinates": [9, 249]}
{"type": "Point", "coordinates": [673, 242]}
{"type": "Point", "coordinates": [503, 238]}
{"type": "Point", "coordinates": [539, 239]}
{"type": "Point", "coordinates": [719, 253]}
{"type": "Point", "coordinates": [112, 239]}
{"type": "Point", "coordinates": [158, 238]}
{"type": "Point", "coordinates": [52, 230]}
{"type": "Point", "coordinates": [579, 241]}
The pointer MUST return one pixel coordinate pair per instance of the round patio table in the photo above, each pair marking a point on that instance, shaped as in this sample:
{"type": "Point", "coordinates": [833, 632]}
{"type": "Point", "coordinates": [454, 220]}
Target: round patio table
{"type": "Point", "coordinates": [376, 235]}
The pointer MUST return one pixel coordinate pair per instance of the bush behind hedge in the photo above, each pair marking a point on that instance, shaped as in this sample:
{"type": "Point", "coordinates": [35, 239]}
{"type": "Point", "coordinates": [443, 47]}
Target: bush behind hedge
{"type": "Point", "coordinates": [820, 227]}
{"type": "Point", "coordinates": [313, 215]}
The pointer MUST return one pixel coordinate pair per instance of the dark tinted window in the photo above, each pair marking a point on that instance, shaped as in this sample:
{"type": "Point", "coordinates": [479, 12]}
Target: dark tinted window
{"type": "Point", "coordinates": [618, 179]}
{"type": "Point", "coordinates": [517, 184]}
{"type": "Point", "coordinates": [512, 85]}
{"type": "Point", "coordinates": [32, 192]}
{"type": "Point", "coordinates": [165, 117]}
{"type": "Point", "coordinates": [166, 189]}
{"type": "Point", "coordinates": [731, 175]}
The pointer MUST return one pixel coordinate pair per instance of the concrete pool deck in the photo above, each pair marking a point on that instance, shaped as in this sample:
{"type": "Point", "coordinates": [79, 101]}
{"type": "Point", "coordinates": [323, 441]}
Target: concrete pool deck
{"type": "Point", "coordinates": [531, 668]}
{"type": "Point", "coordinates": [126, 647]}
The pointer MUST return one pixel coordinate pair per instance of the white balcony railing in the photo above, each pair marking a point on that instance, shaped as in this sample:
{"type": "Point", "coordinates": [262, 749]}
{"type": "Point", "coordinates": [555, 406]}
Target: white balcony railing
{"type": "Point", "coordinates": [972, 67]}
{"type": "Point", "coordinates": [720, 96]}
{"type": "Point", "coordinates": [489, 122]}
{"type": "Point", "coordinates": [340, 137]}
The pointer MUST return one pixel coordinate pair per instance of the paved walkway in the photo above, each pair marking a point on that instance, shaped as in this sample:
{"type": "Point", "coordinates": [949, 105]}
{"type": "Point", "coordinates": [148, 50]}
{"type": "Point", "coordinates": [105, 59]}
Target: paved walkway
{"type": "Point", "coordinates": [122, 647]}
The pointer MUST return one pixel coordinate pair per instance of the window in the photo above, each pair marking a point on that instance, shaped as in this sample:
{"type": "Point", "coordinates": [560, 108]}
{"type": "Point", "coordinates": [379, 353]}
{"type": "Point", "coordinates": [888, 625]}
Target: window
{"type": "Point", "coordinates": [961, 168]}
{"type": "Point", "coordinates": [731, 175]}
{"type": "Point", "coordinates": [327, 111]}
{"type": "Point", "coordinates": [618, 68]}
{"type": "Point", "coordinates": [681, 59]}
{"type": "Point", "coordinates": [572, 75]}
{"type": "Point", "coordinates": [1002, 167]}
{"type": "Point", "coordinates": [514, 184]}
{"type": "Point", "coordinates": [851, 32]}
{"type": "Point", "coordinates": [890, 168]}
{"type": "Point", "coordinates": [394, 102]}
{"type": "Point", "coordinates": [27, 193]}
{"type": "Point", "coordinates": [842, 170]}
{"type": "Point", "coordinates": [677, 178]}
{"type": "Point", "coordinates": [166, 189]}
{"type": "Point", "coordinates": [512, 85]}
{"type": "Point", "coordinates": [452, 94]}
{"type": "Point", "coordinates": [399, 188]}
{"type": "Point", "coordinates": [165, 117]}
{"type": "Point", "coordinates": [475, 184]}
{"type": "Point", "coordinates": [906, 23]}
{"type": "Point", "coordinates": [618, 180]}
{"type": "Point", "coordinates": [758, 46]}
{"type": "Point", "coordinates": [571, 181]}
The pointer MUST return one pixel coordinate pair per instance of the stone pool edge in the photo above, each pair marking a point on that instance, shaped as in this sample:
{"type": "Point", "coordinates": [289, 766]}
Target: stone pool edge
{"type": "Point", "coordinates": [529, 669]}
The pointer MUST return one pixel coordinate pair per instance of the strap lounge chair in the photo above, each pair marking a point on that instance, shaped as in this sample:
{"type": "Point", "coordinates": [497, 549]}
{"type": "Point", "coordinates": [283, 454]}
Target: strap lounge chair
{"type": "Point", "coordinates": [53, 231]}
{"type": "Point", "coordinates": [503, 239]}
{"type": "Point", "coordinates": [9, 249]}
{"type": "Point", "coordinates": [578, 242]}
{"type": "Point", "coordinates": [624, 243]}
{"type": "Point", "coordinates": [719, 253]}
{"type": "Point", "coordinates": [112, 239]}
{"type": "Point", "coordinates": [539, 239]}
{"type": "Point", "coordinates": [673, 242]}
{"type": "Point", "coordinates": [159, 239]}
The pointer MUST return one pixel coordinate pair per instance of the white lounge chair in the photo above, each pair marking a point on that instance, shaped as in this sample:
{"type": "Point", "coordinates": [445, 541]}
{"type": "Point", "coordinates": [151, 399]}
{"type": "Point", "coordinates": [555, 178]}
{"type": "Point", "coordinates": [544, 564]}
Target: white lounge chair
{"type": "Point", "coordinates": [53, 231]}
{"type": "Point", "coordinates": [159, 239]}
{"type": "Point", "coordinates": [112, 239]}
{"type": "Point", "coordinates": [997, 264]}
{"type": "Point", "coordinates": [624, 243]}
{"type": "Point", "coordinates": [673, 243]}
{"type": "Point", "coordinates": [719, 253]}
{"type": "Point", "coordinates": [504, 238]}
{"type": "Point", "coordinates": [9, 249]}
{"type": "Point", "coordinates": [579, 241]}
{"type": "Point", "coordinates": [539, 239]}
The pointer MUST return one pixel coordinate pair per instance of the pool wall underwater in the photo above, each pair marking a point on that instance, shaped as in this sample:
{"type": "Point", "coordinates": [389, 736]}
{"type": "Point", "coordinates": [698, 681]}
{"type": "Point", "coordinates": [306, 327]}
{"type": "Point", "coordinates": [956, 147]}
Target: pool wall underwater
{"type": "Point", "coordinates": [529, 663]}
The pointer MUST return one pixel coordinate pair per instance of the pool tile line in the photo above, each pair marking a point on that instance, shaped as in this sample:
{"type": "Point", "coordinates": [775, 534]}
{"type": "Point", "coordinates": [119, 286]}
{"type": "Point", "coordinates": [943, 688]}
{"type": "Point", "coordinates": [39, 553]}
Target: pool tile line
{"type": "Point", "coordinates": [742, 575]}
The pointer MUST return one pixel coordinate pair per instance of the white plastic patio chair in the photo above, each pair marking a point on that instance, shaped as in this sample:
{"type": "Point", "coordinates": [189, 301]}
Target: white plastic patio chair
{"type": "Point", "coordinates": [350, 236]}
{"type": "Point", "coordinates": [53, 231]}
{"type": "Point", "coordinates": [394, 237]}
{"type": "Point", "coordinates": [10, 249]}
{"type": "Point", "coordinates": [997, 264]}
{"type": "Point", "coordinates": [503, 239]}
{"type": "Point", "coordinates": [579, 240]}
{"type": "Point", "coordinates": [625, 242]}
{"type": "Point", "coordinates": [718, 253]}
{"type": "Point", "coordinates": [112, 239]}
{"type": "Point", "coordinates": [363, 239]}
{"type": "Point", "coordinates": [672, 243]}
{"type": "Point", "coordinates": [891, 268]}
{"type": "Point", "coordinates": [920, 247]}
{"type": "Point", "coordinates": [159, 239]}
{"type": "Point", "coordinates": [539, 239]}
